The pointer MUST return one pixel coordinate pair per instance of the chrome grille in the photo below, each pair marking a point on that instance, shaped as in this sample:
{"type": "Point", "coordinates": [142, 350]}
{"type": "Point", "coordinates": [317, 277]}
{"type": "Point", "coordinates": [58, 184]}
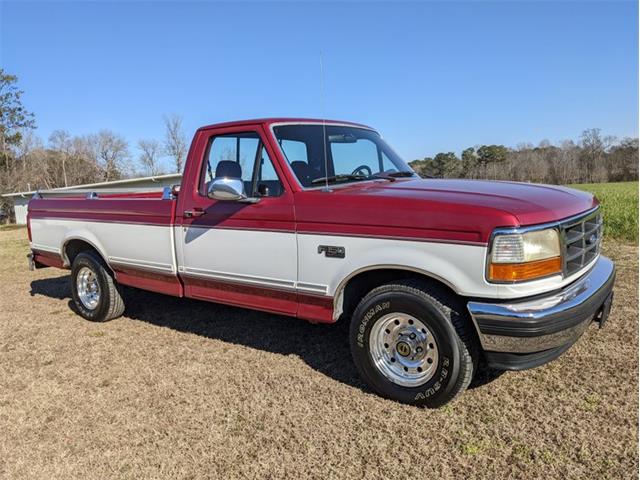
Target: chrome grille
{"type": "Point", "coordinates": [581, 237]}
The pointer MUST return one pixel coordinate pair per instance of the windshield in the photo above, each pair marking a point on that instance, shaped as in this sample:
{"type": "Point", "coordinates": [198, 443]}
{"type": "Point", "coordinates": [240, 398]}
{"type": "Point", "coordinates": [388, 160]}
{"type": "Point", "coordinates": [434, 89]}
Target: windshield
{"type": "Point", "coordinates": [353, 154]}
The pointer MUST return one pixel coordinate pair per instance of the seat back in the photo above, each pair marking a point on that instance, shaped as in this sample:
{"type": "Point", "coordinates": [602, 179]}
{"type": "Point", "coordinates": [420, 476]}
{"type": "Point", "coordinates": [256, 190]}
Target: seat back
{"type": "Point", "coordinates": [302, 171]}
{"type": "Point", "coordinates": [228, 168]}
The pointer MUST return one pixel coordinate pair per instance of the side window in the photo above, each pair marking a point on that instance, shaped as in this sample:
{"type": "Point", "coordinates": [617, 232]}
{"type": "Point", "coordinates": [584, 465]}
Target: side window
{"type": "Point", "coordinates": [359, 157]}
{"type": "Point", "coordinates": [247, 151]}
{"type": "Point", "coordinates": [267, 172]}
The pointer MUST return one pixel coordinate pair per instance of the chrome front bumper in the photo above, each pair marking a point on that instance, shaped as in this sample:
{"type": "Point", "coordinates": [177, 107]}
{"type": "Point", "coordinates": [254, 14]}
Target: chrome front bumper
{"type": "Point", "coordinates": [527, 333]}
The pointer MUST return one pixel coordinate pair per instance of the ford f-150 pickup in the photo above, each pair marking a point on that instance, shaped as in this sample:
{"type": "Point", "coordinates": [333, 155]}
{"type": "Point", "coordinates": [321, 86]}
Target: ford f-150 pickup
{"type": "Point", "coordinates": [321, 220]}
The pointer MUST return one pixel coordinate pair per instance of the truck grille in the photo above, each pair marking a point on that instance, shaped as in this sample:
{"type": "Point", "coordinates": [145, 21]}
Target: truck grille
{"type": "Point", "coordinates": [581, 238]}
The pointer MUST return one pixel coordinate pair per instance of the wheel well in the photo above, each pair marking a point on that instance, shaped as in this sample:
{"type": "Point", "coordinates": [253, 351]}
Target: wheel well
{"type": "Point", "coordinates": [362, 283]}
{"type": "Point", "coordinates": [73, 247]}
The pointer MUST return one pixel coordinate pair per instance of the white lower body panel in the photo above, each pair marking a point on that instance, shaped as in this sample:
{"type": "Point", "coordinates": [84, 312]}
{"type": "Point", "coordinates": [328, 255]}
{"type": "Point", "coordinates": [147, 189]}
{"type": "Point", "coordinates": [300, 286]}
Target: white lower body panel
{"type": "Point", "coordinates": [280, 260]}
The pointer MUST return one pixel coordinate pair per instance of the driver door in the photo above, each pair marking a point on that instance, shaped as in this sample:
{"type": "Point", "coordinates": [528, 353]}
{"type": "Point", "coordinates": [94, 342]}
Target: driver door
{"type": "Point", "coordinates": [237, 252]}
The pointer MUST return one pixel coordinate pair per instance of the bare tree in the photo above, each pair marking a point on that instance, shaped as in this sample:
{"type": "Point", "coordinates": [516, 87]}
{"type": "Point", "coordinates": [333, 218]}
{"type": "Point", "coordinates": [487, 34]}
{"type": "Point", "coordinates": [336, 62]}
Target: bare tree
{"type": "Point", "coordinates": [593, 149]}
{"type": "Point", "coordinates": [149, 155]}
{"type": "Point", "coordinates": [60, 140]}
{"type": "Point", "coordinates": [110, 151]}
{"type": "Point", "coordinates": [175, 143]}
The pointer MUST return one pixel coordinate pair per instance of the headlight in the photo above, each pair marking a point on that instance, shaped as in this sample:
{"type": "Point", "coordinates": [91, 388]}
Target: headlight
{"type": "Point", "coordinates": [524, 256]}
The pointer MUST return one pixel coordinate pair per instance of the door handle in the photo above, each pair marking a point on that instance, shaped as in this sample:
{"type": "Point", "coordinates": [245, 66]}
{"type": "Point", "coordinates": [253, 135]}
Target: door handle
{"type": "Point", "coordinates": [196, 212]}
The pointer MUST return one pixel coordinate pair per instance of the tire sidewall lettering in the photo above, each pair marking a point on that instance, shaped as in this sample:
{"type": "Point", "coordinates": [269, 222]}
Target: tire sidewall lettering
{"type": "Point", "coordinates": [444, 373]}
{"type": "Point", "coordinates": [362, 328]}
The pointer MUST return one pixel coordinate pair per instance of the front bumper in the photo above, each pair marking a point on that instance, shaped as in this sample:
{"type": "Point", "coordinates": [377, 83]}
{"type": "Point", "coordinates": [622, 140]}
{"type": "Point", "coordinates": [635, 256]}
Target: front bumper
{"type": "Point", "coordinates": [528, 333]}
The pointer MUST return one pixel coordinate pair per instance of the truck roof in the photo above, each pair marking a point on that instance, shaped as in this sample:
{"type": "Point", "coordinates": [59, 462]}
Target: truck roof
{"type": "Point", "coordinates": [271, 120]}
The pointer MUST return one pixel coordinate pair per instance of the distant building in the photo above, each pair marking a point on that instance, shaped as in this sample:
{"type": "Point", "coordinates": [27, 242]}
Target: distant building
{"type": "Point", "coordinates": [21, 199]}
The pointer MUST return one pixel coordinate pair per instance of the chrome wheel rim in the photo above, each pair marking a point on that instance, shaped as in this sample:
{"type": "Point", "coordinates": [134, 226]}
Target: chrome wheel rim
{"type": "Point", "coordinates": [403, 349]}
{"type": "Point", "coordinates": [88, 288]}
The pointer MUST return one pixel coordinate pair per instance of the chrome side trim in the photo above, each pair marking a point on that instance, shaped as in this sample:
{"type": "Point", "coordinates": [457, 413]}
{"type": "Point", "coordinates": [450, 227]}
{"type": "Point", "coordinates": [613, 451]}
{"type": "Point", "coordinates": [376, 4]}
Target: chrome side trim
{"type": "Point", "coordinates": [237, 278]}
{"type": "Point", "coordinates": [272, 283]}
{"type": "Point", "coordinates": [141, 264]}
{"type": "Point", "coordinates": [312, 288]}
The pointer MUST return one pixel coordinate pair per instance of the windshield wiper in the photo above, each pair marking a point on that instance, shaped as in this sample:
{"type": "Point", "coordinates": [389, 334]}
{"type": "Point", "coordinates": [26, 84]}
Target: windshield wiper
{"type": "Point", "coordinates": [337, 178]}
{"type": "Point", "coordinates": [391, 176]}
{"type": "Point", "coordinates": [399, 174]}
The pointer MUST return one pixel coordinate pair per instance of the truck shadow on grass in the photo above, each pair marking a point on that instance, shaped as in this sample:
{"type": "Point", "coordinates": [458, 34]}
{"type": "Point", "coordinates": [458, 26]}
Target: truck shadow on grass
{"type": "Point", "coordinates": [324, 348]}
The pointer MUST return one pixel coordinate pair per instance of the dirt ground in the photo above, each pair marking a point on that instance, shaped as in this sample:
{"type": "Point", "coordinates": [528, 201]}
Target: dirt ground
{"type": "Point", "coordinates": [186, 389]}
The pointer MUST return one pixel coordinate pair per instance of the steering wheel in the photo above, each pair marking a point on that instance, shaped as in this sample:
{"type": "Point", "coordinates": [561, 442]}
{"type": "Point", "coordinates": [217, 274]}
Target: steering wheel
{"type": "Point", "coordinates": [361, 169]}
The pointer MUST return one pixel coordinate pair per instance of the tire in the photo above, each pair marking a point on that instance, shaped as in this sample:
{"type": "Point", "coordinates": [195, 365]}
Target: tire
{"type": "Point", "coordinates": [445, 334]}
{"type": "Point", "coordinates": [102, 300]}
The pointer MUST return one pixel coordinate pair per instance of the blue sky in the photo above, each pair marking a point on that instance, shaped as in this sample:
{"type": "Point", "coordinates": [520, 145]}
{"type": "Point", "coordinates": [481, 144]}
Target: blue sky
{"type": "Point", "coordinates": [430, 76]}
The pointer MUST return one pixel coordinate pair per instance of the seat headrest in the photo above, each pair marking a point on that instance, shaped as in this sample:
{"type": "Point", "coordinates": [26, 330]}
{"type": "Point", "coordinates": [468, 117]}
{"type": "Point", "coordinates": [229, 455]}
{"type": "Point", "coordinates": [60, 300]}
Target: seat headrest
{"type": "Point", "coordinates": [302, 171]}
{"type": "Point", "coordinates": [228, 168]}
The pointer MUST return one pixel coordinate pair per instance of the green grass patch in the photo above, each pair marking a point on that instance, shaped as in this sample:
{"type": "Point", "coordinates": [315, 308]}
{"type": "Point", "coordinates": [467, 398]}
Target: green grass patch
{"type": "Point", "coordinates": [471, 448]}
{"type": "Point", "coordinates": [619, 206]}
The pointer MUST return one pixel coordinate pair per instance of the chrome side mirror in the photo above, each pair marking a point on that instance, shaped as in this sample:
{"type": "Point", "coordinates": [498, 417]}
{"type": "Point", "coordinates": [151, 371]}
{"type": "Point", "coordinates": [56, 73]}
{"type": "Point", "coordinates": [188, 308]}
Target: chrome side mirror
{"type": "Point", "coordinates": [225, 188]}
{"type": "Point", "coordinates": [229, 189]}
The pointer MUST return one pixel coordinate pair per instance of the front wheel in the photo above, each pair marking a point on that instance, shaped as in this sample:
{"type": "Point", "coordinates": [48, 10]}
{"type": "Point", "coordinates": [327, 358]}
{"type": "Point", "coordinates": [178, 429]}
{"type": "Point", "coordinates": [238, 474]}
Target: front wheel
{"type": "Point", "coordinates": [413, 342]}
{"type": "Point", "coordinates": [95, 292]}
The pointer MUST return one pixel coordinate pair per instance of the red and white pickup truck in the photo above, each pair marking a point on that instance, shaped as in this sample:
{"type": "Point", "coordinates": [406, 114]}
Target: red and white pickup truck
{"type": "Point", "coordinates": [322, 220]}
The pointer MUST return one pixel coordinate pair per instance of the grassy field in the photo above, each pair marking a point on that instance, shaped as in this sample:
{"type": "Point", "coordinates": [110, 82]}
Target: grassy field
{"type": "Point", "coordinates": [620, 207]}
{"type": "Point", "coordinates": [186, 389]}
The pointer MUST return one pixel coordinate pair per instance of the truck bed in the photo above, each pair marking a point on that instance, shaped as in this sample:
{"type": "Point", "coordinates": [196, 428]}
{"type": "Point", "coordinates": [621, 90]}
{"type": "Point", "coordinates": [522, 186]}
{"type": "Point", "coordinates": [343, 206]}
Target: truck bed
{"type": "Point", "coordinates": [133, 231]}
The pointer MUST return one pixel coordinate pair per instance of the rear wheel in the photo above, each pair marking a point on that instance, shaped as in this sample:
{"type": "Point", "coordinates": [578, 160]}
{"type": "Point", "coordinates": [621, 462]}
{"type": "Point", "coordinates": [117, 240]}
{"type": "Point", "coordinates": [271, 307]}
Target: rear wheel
{"type": "Point", "coordinates": [95, 293]}
{"type": "Point", "coordinates": [413, 342]}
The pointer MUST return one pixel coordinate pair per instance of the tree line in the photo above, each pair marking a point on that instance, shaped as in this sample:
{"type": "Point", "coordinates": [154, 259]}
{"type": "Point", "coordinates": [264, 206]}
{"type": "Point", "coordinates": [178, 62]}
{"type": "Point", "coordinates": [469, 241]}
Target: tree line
{"type": "Point", "coordinates": [593, 158]}
{"type": "Point", "coordinates": [28, 163]}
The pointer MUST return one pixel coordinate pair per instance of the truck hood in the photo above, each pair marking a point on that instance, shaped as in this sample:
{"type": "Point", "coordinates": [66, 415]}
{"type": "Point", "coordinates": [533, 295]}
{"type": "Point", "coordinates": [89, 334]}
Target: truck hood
{"type": "Point", "coordinates": [439, 210]}
{"type": "Point", "coordinates": [529, 203]}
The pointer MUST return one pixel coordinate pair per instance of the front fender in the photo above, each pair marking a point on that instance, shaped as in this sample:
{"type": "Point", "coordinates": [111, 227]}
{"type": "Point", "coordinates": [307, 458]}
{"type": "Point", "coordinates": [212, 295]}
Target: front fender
{"type": "Point", "coordinates": [460, 266]}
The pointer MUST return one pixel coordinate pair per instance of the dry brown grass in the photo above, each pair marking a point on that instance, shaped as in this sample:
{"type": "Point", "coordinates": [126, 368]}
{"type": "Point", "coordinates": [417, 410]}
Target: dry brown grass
{"type": "Point", "coordinates": [186, 389]}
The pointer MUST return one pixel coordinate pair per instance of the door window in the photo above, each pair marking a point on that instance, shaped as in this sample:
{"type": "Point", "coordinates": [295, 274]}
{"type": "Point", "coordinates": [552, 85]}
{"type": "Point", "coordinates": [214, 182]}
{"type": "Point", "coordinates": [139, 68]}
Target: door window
{"type": "Point", "coordinates": [247, 150]}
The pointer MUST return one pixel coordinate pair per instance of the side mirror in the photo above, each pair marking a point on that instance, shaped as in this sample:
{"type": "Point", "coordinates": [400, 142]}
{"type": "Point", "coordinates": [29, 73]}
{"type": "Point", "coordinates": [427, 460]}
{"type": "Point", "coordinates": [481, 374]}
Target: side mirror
{"type": "Point", "coordinates": [225, 188]}
{"type": "Point", "coordinates": [229, 189]}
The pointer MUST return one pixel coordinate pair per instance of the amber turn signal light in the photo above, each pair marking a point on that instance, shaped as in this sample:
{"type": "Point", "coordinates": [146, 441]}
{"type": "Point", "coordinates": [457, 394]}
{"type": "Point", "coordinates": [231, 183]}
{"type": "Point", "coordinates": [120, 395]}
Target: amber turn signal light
{"type": "Point", "coordinates": [513, 272]}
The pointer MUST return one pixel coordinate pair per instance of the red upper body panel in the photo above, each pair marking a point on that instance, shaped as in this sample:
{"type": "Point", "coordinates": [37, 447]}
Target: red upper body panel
{"type": "Point", "coordinates": [422, 209]}
{"type": "Point", "coordinates": [130, 208]}
{"type": "Point", "coordinates": [446, 210]}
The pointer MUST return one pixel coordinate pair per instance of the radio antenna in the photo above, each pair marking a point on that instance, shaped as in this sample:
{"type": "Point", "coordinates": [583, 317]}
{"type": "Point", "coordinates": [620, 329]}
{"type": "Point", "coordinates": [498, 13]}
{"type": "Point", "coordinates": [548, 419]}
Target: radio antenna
{"type": "Point", "coordinates": [324, 125]}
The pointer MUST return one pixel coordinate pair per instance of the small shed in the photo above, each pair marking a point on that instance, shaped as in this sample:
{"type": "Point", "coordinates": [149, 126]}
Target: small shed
{"type": "Point", "coordinates": [21, 199]}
